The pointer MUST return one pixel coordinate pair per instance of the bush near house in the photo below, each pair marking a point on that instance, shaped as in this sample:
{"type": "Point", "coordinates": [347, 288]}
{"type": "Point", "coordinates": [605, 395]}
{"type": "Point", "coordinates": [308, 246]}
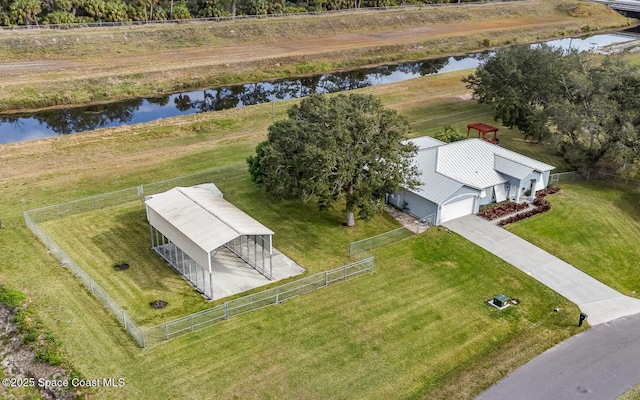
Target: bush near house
{"type": "Point", "coordinates": [502, 210]}
{"type": "Point", "coordinates": [540, 203]}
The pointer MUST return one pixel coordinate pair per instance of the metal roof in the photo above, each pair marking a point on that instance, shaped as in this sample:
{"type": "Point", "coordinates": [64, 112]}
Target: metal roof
{"type": "Point", "coordinates": [435, 187]}
{"type": "Point", "coordinates": [426, 142]}
{"type": "Point", "coordinates": [472, 162]}
{"type": "Point", "coordinates": [203, 217]}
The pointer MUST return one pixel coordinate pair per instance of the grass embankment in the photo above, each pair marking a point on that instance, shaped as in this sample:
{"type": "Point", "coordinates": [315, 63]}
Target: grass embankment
{"type": "Point", "coordinates": [596, 229]}
{"type": "Point", "coordinates": [91, 65]}
{"type": "Point", "coordinates": [416, 328]}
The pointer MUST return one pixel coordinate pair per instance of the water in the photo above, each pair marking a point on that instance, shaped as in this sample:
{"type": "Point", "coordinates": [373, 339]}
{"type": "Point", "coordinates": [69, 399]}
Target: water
{"type": "Point", "coordinates": [21, 127]}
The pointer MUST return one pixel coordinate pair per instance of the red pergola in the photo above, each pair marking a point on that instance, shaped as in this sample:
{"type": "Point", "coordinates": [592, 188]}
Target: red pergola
{"type": "Point", "coordinates": [483, 129]}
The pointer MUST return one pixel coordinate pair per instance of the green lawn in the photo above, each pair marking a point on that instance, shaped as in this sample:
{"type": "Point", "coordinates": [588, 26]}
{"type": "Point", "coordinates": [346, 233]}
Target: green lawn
{"type": "Point", "coordinates": [595, 228]}
{"type": "Point", "coordinates": [416, 328]}
{"type": "Point", "coordinates": [97, 240]}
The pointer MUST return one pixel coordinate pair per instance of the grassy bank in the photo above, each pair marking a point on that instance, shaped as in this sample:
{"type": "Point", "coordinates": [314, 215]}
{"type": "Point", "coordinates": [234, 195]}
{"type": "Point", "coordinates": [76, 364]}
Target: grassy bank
{"type": "Point", "coordinates": [417, 327]}
{"type": "Point", "coordinates": [596, 229]}
{"type": "Point", "coordinates": [44, 68]}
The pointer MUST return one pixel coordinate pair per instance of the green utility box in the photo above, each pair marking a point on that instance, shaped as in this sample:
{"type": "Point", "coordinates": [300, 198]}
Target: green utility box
{"type": "Point", "coordinates": [500, 300]}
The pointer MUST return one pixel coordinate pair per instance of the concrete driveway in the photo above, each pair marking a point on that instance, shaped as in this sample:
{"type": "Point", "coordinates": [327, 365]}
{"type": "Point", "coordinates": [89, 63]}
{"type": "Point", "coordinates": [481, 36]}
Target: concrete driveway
{"type": "Point", "coordinates": [594, 298]}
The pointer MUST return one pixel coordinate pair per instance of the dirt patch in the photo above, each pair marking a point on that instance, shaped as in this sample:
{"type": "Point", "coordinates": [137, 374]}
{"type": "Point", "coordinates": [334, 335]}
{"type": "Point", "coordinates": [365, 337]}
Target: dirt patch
{"type": "Point", "coordinates": [158, 304]}
{"type": "Point", "coordinates": [19, 365]}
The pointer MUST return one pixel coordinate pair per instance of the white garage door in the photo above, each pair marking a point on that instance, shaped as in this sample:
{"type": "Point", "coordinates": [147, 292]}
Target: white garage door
{"type": "Point", "coordinates": [456, 209]}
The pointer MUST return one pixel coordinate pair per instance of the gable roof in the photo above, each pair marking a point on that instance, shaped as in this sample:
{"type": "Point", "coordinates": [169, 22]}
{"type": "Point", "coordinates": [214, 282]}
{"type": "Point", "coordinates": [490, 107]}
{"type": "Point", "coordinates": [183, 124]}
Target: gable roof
{"type": "Point", "coordinates": [426, 142]}
{"type": "Point", "coordinates": [434, 187]}
{"type": "Point", "coordinates": [471, 162]}
{"type": "Point", "coordinates": [203, 217]}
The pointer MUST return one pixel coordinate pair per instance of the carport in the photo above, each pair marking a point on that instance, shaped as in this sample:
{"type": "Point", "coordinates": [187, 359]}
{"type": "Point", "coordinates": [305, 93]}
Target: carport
{"type": "Point", "coordinates": [198, 232]}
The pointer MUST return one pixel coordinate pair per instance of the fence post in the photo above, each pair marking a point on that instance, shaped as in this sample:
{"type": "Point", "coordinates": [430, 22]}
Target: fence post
{"type": "Point", "coordinates": [191, 319]}
{"type": "Point", "coordinates": [277, 295]}
{"type": "Point", "coordinates": [166, 331]}
{"type": "Point", "coordinates": [226, 310]}
{"type": "Point", "coordinates": [124, 319]}
{"type": "Point", "coordinates": [326, 278]}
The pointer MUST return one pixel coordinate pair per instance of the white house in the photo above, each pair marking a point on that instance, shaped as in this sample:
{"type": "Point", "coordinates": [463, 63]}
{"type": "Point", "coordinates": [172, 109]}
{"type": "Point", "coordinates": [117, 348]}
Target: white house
{"type": "Point", "coordinates": [457, 178]}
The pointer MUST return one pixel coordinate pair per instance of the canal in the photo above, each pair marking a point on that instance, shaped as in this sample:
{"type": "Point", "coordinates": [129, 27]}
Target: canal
{"type": "Point", "coordinates": [61, 121]}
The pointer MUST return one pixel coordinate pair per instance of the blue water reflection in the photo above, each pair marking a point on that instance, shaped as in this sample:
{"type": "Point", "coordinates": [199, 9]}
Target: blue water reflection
{"type": "Point", "coordinates": [20, 127]}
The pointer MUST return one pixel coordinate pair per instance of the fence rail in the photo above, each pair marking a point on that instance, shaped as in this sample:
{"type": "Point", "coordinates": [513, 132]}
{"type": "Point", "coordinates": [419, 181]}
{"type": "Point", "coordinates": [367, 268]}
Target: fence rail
{"type": "Point", "coordinates": [383, 239]}
{"type": "Point", "coordinates": [600, 176]}
{"type": "Point", "coordinates": [155, 334]}
{"type": "Point", "coordinates": [129, 324]}
{"type": "Point", "coordinates": [256, 301]}
{"type": "Point", "coordinates": [101, 24]}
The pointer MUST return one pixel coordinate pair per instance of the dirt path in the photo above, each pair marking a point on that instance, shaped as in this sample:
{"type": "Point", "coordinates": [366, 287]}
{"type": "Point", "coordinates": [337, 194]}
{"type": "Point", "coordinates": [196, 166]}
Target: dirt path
{"type": "Point", "coordinates": [40, 69]}
{"type": "Point", "coordinates": [21, 72]}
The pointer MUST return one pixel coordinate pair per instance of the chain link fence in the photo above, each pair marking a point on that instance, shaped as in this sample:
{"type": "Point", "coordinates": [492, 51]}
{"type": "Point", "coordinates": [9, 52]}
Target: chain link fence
{"type": "Point", "coordinates": [255, 301]}
{"type": "Point", "coordinates": [363, 10]}
{"type": "Point", "coordinates": [155, 334]}
{"type": "Point", "coordinates": [599, 176]}
{"type": "Point", "coordinates": [365, 245]}
{"type": "Point", "coordinates": [129, 324]}
{"type": "Point", "coordinates": [615, 180]}
{"type": "Point", "coordinates": [565, 177]}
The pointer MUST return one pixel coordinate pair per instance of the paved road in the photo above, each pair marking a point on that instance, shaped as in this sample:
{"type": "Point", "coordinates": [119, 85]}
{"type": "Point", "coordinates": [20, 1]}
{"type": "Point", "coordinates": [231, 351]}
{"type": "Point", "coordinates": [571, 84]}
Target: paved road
{"type": "Point", "coordinates": [600, 302]}
{"type": "Point", "coordinates": [599, 364]}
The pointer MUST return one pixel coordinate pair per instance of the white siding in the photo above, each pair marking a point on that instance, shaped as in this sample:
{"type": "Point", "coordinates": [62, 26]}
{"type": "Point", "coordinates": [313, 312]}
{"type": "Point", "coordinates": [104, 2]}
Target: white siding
{"type": "Point", "coordinates": [199, 255]}
{"type": "Point", "coordinates": [500, 192]}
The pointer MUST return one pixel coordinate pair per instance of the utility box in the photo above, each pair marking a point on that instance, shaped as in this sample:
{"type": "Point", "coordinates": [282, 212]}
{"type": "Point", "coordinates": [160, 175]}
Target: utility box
{"type": "Point", "coordinates": [500, 301]}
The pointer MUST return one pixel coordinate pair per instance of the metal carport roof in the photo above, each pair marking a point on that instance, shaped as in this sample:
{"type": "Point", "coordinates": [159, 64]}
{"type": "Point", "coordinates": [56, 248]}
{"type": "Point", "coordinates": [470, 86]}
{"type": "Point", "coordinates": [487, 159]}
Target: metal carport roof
{"type": "Point", "coordinates": [201, 216]}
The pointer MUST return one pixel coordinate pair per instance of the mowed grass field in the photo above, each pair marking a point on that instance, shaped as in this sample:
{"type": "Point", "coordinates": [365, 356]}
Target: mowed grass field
{"type": "Point", "coordinates": [97, 240]}
{"type": "Point", "coordinates": [595, 228]}
{"type": "Point", "coordinates": [418, 327]}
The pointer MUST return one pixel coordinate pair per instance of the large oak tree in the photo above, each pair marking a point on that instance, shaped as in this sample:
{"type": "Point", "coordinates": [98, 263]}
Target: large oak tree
{"type": "Point", "coordinates": [333, 147]}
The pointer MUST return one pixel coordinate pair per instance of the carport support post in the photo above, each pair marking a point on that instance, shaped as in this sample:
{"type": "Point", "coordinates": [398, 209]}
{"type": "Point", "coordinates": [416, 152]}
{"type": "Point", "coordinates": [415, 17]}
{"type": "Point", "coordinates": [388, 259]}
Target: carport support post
{"type": "Point", "coordinates": [270, 254]}
{"type": "Point", "coordinates": [210, 277]}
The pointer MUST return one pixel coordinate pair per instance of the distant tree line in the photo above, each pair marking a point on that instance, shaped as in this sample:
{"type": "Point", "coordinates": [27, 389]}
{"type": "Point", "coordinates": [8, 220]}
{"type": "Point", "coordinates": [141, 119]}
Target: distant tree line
{"type": "Point", "coordinates": [37, 12]}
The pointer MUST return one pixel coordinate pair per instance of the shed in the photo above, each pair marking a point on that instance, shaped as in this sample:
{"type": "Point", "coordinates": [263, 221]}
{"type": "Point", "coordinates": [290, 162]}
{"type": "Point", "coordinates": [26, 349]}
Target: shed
{"type": "Point", "coordinates": [192, 226]}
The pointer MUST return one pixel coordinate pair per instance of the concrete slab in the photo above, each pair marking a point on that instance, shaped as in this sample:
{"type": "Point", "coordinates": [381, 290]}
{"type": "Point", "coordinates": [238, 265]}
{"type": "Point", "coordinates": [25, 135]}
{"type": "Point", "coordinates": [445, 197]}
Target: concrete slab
{"type": "Point", "coordinates": [231, 275]}
{"type": "Point", "coordinates": [600, 302]}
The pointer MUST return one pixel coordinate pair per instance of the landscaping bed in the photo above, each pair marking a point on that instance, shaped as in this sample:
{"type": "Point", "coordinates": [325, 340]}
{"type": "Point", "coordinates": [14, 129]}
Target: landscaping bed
{"type": "Point", "coordinates": [501, 210]}
{"type": "Point", "coordinates": [540, 203]}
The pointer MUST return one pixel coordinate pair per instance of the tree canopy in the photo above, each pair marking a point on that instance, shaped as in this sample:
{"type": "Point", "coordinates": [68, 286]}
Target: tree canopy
{"type": "Point", "coordinates": [334, 147]}
{"type": "Point", "coordinates": [35, 12]}
{"type": "Point", "coordinates": [589, 110]}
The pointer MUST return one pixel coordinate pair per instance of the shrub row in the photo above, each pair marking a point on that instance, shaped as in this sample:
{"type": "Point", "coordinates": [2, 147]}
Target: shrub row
{"type": "Point", "coordinates": [502, 210]}
{"type": "Point", "coordinates": [541, 205]}
{"type": "Point", "coordinates": [526, 214]}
